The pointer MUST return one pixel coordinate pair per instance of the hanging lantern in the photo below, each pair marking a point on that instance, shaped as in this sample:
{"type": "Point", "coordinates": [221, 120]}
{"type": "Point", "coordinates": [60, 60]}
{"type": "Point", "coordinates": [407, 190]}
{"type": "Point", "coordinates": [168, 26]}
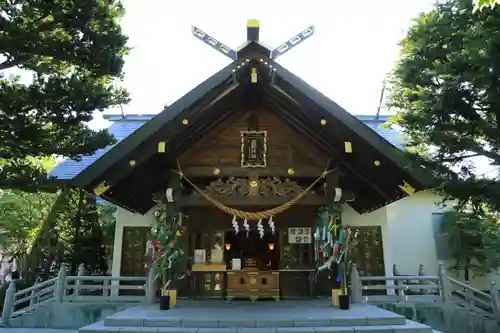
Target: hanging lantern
{"type": "Point", "coordinates": [228, 246]}
{"type": "Point", "coordinates": [271, 246]}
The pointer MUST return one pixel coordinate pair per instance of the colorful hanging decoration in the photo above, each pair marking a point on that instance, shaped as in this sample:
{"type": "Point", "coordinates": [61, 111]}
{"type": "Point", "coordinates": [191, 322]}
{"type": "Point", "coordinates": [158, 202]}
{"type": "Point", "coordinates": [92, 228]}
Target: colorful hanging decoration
{"type": "Point", "coordinates": [333, 239]}
{"type": "Point", "coordinates": [170, 261]}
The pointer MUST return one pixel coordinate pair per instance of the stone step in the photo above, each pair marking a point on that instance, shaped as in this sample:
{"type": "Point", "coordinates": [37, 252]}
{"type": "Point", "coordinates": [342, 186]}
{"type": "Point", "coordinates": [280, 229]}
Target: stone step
{"type": "Point", "coordinates": [407, 327]}
{"type": "Point", "coordinates": [223, 315]}
{"type": "Point", "coordinates": [344, 320]}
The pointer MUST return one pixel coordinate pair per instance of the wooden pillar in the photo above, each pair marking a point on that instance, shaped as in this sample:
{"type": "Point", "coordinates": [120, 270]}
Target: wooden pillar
{"type": "Point", "coordinates": [332, 181]}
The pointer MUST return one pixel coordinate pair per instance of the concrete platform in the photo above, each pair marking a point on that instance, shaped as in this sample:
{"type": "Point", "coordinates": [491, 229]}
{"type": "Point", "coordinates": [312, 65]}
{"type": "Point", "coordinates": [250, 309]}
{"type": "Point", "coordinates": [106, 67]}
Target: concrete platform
{"type": "Point", "coordinates": [308, 316]}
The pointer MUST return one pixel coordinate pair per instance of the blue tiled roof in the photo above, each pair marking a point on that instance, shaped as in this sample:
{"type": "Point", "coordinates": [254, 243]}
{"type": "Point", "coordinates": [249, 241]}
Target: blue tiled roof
{"type": "Point", "coordinates": [123, 127]}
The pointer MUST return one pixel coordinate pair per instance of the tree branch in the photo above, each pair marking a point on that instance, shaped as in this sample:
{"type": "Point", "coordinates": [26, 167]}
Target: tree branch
{"type": "Point", "coordinates": [459, 158]}
{"type": "Point", "coordinates": [9, 64]}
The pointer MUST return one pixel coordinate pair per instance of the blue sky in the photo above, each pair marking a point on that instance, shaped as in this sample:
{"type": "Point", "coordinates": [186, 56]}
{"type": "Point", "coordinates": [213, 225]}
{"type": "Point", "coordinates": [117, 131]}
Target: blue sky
{"type": "Point", "coordinates": [354, 47]}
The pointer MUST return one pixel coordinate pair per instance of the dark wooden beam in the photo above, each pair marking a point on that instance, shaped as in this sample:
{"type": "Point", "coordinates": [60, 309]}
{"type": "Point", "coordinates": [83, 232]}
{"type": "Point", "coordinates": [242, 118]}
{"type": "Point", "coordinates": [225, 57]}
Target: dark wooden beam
{"type": "Point", "coordinates": [193, 201]}
{"type": "Point", "coordinates": [208, 172]}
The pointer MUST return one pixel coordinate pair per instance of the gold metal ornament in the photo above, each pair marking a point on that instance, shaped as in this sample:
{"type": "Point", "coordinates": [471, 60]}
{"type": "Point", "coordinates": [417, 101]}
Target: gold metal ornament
{"type": "Point", "coordinates": [216, 171]}
{"type": "Point", "coordinates": [291, 172]}
{"type": "Point", "coordinates": [162, 146]}
{"type": "Point", "coordinates": [323, 122]}
{"type": "Point", "coordinates": [407, 188]}
{"type": "Point", "coordinates": [348, 147]}
{"type": "Point", "coordinates": [185, 121]}
{"type": "Point", "coordinates": [101, 188]}
{"type": "Point", "coordinates": [253, 75]}
{"type": "Point", "coordinates": [376, 163]}
{"type": "Point", "coordinates": [131, 162]}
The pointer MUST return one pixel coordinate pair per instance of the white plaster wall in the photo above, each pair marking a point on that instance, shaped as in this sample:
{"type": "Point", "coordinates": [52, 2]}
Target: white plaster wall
{"type": "Point", "coordinates": [124, 218]}
{"type": "Point", "coordinates": [410, 225]}
{"type": "Point", "coordinates": [407, 232]}
{"type": "Point", "coordinates": [376, 218]}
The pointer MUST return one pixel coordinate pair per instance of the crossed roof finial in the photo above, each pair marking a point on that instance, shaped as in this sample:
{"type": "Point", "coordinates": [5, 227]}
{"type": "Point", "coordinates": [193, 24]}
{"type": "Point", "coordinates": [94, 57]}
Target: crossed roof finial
{"type": "Point", "coordinates": [253, 26]}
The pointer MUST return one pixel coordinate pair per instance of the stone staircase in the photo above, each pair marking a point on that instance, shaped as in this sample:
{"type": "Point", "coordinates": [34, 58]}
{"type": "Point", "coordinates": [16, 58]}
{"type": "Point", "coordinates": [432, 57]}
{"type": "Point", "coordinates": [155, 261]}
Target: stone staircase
{"type": "Point", "coordinates": [259, 317]}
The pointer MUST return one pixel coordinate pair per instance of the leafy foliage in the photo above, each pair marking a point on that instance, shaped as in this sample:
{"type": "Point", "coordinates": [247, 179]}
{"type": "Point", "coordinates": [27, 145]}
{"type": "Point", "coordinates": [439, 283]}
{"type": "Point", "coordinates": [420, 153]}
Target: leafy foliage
{"type": "Point", "coordinates": [69, 52]}
{"type": "Point", "coordinates": [481, 4]}
{"type": "Point", "coordinates": [473, 241]}
{"type": "Point", "coordinates": [71, 233]}
{"type": "Point", "coordinates": [447, 93]}
{"type": "Point", "coordinates": [21, 215]}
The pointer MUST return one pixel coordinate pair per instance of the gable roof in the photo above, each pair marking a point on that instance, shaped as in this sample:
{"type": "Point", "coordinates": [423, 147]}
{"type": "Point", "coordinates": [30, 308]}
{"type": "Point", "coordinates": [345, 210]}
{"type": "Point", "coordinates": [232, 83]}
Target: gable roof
{"type": "Point", "coordinates": [302, 107]}
{"type": "Point", "coordinates": [121, 127]}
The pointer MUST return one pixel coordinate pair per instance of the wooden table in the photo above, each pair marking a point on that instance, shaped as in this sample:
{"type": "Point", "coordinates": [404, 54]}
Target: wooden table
{"type": "Point", "coordinates": [253, 284]}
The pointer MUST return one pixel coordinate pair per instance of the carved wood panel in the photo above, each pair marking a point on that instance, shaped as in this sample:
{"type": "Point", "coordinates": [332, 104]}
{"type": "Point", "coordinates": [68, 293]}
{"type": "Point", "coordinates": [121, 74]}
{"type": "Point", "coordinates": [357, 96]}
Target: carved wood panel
{"type": "Point", "coordinates": [286, 148]}
{"type": "Point", "coordinates": [266, 187]}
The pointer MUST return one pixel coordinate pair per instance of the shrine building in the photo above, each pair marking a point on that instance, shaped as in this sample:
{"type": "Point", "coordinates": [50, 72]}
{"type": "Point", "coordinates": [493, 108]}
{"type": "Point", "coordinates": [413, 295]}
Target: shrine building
{"type": "Point", "coordinates": [255, 138]}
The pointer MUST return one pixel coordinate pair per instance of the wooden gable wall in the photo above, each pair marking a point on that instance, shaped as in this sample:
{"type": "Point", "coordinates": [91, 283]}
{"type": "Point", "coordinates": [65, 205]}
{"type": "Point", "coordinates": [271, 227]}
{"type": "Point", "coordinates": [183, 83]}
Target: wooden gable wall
{"type": "Point", "coordinates": [286, 148]}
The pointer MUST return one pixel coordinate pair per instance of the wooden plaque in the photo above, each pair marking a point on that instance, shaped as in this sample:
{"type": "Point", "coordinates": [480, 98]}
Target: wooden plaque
{"type": "Point", "coordinates": [253, 149]}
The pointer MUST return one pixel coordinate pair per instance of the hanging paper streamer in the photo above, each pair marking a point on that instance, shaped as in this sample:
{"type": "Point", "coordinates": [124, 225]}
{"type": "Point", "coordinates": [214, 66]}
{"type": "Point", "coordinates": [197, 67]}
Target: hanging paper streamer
{"type": "Point", "coordinates": [235, 225]}
{"type": "Point", "coordinates": [246, 226]}
{"type": "Point", "coordinates": [270, 222]}
{"type": "Point", "coordinates": [260, 229]}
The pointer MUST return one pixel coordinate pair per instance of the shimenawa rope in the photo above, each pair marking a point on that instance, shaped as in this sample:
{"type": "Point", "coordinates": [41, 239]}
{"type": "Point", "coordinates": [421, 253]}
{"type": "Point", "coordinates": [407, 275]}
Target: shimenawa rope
{"type": "Point", "coordinates": [254, 216]}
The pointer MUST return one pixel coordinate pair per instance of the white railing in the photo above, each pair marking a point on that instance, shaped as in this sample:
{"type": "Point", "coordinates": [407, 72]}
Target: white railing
{"type": "Point", "coordinates": [104, 288]}
{"type": "Point", "coordinates": [80, 288]}
{"type": "Point", "coordinates": [410, 290]}
{"type": "Point", "coordinates": [417, 289]}
{"type": "Point", "coordinates": [476, 300]}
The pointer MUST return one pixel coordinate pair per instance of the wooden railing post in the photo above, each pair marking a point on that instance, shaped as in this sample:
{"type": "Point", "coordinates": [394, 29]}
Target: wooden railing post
{"type": "Point", "coordinates": [61, 284]}
{"type": "Point", "coordinates": [444, 284]}
{"type": "Point", "coordinates": [469, 295]}
{"type": "Point", "coordinates": [78, 283]}
{"type": "Point", "coordinates": [8, 303]}
{"type": "Point", "coordinates": [33, 296]}
{"type": "Point", "coordinates": [106, 288]}
{"type": "Point", "coordinates": [421, 272]}
{"type": "Point", "coordinates": [496, 301]}
{"type": "Point", "coordinates": [395, 283]}
{"type": "Point", "coordinates": [394, 270]}
{"type": "Point", "coordinates": [151, 286]}
{"type": "Point", "coordinates": [356, 287]}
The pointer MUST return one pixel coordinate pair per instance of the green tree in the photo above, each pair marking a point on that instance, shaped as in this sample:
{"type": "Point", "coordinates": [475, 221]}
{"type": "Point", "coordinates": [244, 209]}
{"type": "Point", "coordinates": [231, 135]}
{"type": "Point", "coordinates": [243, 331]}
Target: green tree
{"type": "Point", "coordinates": [446, 92]}
{"type": "Point", "coordinates": [71, 233]}
{"type": "Point", "coordinates": [107, 219]}
{"type": "Point", "coordinates": [473, 242]}
{"type": "Point", "coordinates": [68, 54]}
{"type": "Point", "coordinates": [21, 215]}
{"type": "Point", "coordinates": [481, 4]}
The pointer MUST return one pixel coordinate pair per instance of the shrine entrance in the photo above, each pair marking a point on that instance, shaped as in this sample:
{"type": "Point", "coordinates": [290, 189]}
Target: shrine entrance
{"type": "Point", "coordinates": [252, 264]}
